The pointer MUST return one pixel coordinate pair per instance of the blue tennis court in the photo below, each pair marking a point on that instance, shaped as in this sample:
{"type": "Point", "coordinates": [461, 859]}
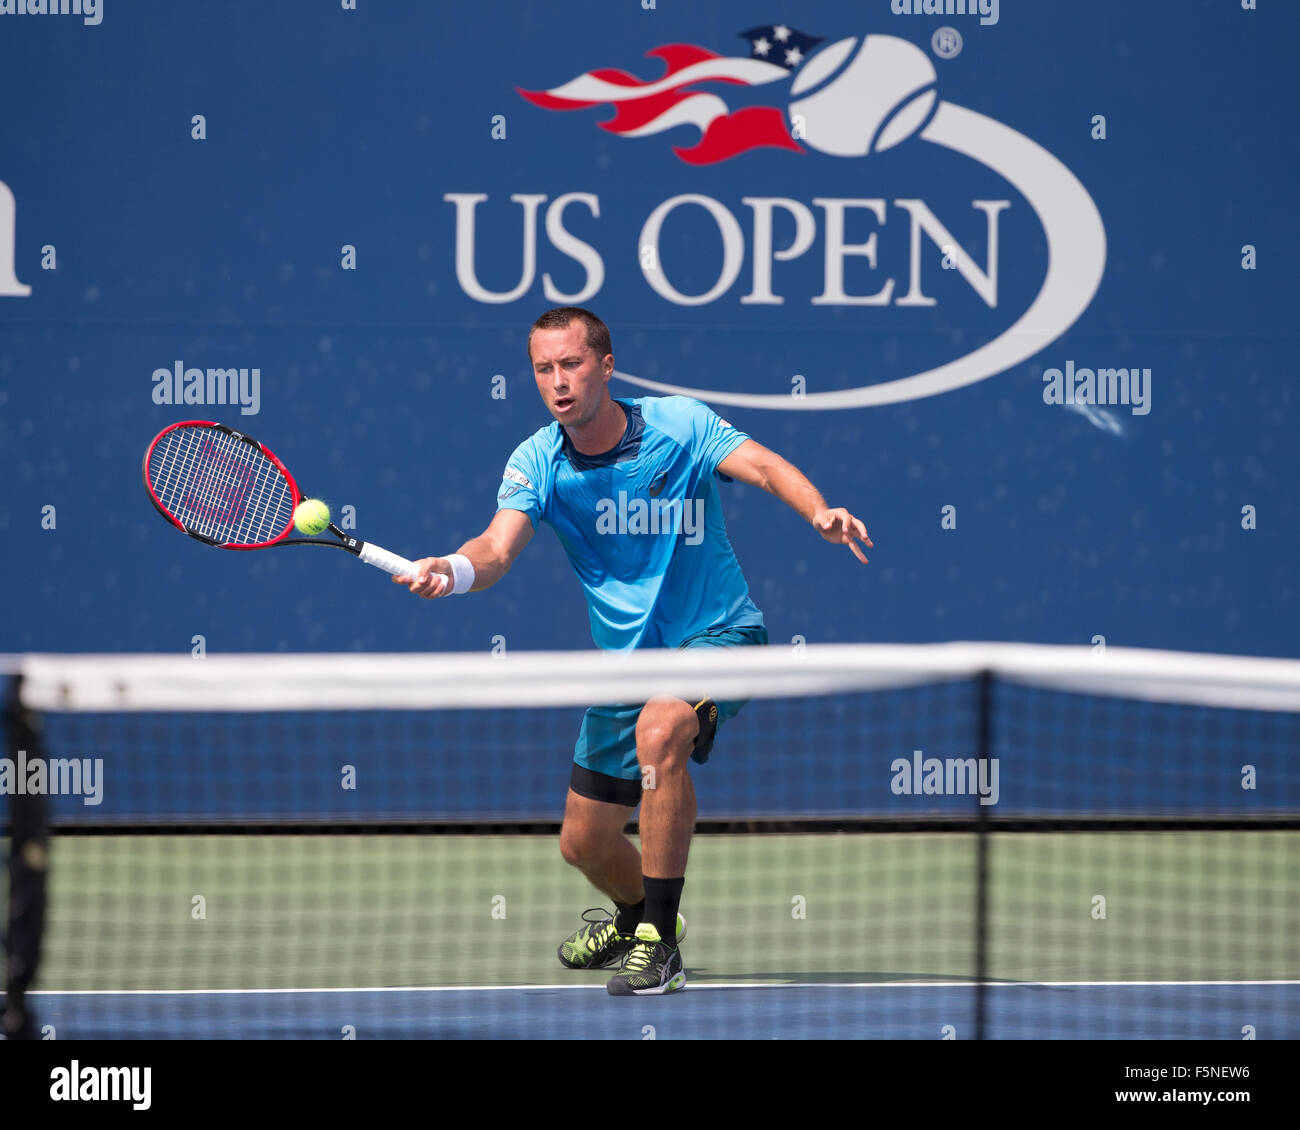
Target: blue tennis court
{"type": "Point", "coordinates": [709, 1011]}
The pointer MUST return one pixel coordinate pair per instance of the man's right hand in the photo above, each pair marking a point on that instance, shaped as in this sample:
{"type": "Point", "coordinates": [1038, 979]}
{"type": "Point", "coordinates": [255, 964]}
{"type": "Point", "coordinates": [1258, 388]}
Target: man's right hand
{"type": "Point", "coordinates": [432, 579]}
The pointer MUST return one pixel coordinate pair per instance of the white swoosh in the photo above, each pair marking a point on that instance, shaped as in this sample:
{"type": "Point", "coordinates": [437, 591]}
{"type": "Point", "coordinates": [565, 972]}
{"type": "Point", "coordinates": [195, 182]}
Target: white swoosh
{"type": "Point", "coordinates": [588, 88]}
{"type": "Point", "coordinates": [1076, 258]}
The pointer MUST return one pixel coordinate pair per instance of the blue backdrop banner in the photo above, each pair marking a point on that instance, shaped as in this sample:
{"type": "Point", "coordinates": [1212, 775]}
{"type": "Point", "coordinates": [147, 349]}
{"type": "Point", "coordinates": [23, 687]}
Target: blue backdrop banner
{"type": "Point", "coordinates": [1015, 285]}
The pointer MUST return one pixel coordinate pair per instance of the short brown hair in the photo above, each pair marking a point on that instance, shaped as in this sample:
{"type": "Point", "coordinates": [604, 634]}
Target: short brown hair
{"type": "Point", "coordinates": [559, 319]}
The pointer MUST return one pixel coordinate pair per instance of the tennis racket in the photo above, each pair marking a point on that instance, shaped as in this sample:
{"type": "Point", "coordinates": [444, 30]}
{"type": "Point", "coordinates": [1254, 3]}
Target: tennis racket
{"type": "Point", "coordinates": [225, 489]}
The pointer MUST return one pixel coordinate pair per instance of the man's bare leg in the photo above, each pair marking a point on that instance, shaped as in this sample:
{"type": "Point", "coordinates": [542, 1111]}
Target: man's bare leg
{"type": "Point", "coordinates": [592, 840]}
{"type": "Point", "coordinates": [665, 735]}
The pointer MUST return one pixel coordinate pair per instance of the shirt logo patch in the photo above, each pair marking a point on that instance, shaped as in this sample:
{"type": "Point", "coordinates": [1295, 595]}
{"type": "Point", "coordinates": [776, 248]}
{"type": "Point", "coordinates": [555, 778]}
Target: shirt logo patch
{"type": "Point", "coordinates": [517, 477]}
{"type": "Point", "coordinates": [658, 485]}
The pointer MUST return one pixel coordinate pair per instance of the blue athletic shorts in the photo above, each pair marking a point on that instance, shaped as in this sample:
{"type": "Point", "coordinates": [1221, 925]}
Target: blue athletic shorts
{"type": "Point", "coordinates": [604, 760]}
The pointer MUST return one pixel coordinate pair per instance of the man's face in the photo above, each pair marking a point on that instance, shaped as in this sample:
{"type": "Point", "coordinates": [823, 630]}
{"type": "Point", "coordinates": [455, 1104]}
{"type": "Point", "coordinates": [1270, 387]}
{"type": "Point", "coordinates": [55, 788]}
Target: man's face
{"type": "Point", "coordinates": [570, 377]}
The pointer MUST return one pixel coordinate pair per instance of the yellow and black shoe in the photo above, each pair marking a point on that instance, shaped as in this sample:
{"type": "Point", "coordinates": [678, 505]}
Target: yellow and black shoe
{"type": "Point", "coordinates": [651, 967]}
{"type": "Point", "coordinates": [598, 944]}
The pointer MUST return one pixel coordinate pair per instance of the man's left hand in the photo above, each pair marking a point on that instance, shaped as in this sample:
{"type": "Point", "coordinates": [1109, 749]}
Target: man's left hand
{"type": "Point", "coordinates": [839, 527]}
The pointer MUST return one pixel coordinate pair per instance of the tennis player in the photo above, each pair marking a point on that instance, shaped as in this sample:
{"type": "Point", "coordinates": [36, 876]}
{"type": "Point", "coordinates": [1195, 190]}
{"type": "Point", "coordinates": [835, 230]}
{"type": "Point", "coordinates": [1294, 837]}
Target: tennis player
{"type": "Point", "coordinates": [677, 587]}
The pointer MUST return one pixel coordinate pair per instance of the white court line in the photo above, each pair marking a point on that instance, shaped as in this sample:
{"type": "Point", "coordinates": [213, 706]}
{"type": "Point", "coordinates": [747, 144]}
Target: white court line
{"type": "Point", "coordinates": [690, 984]}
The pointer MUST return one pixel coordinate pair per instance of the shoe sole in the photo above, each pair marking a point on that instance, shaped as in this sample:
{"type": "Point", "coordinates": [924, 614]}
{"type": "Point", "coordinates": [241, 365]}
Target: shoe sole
{"type": "Point", "coordinates": [675, 983]}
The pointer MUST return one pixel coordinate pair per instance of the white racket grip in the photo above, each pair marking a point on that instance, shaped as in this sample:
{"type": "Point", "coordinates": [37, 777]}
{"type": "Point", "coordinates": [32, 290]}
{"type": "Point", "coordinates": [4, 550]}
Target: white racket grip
{"type": "Point", "coordinates": [380, 558]}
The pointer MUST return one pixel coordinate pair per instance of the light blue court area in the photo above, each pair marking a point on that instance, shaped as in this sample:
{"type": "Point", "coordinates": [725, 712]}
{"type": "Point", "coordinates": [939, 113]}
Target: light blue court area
{"type": "Point", "coordinates": [836, 1011]}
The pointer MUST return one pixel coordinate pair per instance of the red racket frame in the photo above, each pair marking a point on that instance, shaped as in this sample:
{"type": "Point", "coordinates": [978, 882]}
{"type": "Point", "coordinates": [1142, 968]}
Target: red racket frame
{"type": "Point", "coordinates": [170, 517]}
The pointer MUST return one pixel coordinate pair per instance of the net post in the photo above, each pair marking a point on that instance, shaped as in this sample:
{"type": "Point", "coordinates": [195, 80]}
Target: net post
{"type": "Point", "coordinates": [985, 709]}
{"type": "Point", "coordinates": [27, 870]}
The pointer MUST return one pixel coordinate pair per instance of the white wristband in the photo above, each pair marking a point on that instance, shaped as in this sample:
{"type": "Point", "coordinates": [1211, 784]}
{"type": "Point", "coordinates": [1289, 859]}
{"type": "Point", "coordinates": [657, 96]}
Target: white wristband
{"type": "Point", "coordinates": [462, 574]}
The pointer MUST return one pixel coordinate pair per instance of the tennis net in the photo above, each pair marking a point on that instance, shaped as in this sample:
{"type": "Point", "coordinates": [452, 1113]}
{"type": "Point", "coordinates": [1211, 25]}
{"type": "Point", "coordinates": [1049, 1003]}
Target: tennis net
{"type": "Point", "coordinates": [942, 841]}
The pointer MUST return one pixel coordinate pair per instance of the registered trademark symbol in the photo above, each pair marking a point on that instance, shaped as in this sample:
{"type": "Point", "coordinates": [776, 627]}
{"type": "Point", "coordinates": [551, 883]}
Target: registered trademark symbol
{"type": "Point", "coordinates": [946, 43]}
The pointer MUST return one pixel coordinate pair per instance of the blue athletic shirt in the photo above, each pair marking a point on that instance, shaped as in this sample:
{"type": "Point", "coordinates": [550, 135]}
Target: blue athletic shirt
{"type": "Point", "coordinates": [642, 523]}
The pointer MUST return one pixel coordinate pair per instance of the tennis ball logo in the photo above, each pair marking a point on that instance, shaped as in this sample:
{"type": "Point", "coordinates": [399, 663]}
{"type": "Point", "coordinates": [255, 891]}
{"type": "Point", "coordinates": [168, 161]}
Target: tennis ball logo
{"type": "Point", "coordinates": [853, 98]}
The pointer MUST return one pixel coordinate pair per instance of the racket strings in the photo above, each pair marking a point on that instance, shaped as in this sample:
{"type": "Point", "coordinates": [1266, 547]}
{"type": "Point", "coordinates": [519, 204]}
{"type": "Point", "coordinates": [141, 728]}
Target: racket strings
{"type": "Point", "coordinates": [221, 487]}
{"type": "Point", "coordinates": [271, 511]}
{"type": "Point", "coordinates": [219, 494]}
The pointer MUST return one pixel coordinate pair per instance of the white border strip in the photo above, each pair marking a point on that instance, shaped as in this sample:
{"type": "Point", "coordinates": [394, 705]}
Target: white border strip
{"type": "Point", "coordinates": [323, 682]}
{"type": "Point", "coordinates": [694, 986]}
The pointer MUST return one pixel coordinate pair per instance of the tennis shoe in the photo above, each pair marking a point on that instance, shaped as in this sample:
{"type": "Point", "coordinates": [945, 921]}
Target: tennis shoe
{"type": "Point", "coordinates": [651, 967]}
{"type": "Point", "coordinates": [597, 944]}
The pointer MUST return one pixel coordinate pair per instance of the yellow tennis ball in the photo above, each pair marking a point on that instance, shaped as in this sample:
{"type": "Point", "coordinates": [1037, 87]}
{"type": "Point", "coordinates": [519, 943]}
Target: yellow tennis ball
{"type": "Point", "coordinates": [311, 516]}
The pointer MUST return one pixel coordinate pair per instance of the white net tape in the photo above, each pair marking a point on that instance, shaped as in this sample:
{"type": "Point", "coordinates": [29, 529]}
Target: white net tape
{"type": "Point", "coordinates": [424, 681]}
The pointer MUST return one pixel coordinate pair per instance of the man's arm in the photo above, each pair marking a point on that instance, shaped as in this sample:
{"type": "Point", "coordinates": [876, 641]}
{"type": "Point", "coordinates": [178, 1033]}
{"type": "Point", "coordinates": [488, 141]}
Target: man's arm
{"type": "Point", "coordinates": [754, 464]}
{"type": "Point", "coordinates": [491, 553]}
